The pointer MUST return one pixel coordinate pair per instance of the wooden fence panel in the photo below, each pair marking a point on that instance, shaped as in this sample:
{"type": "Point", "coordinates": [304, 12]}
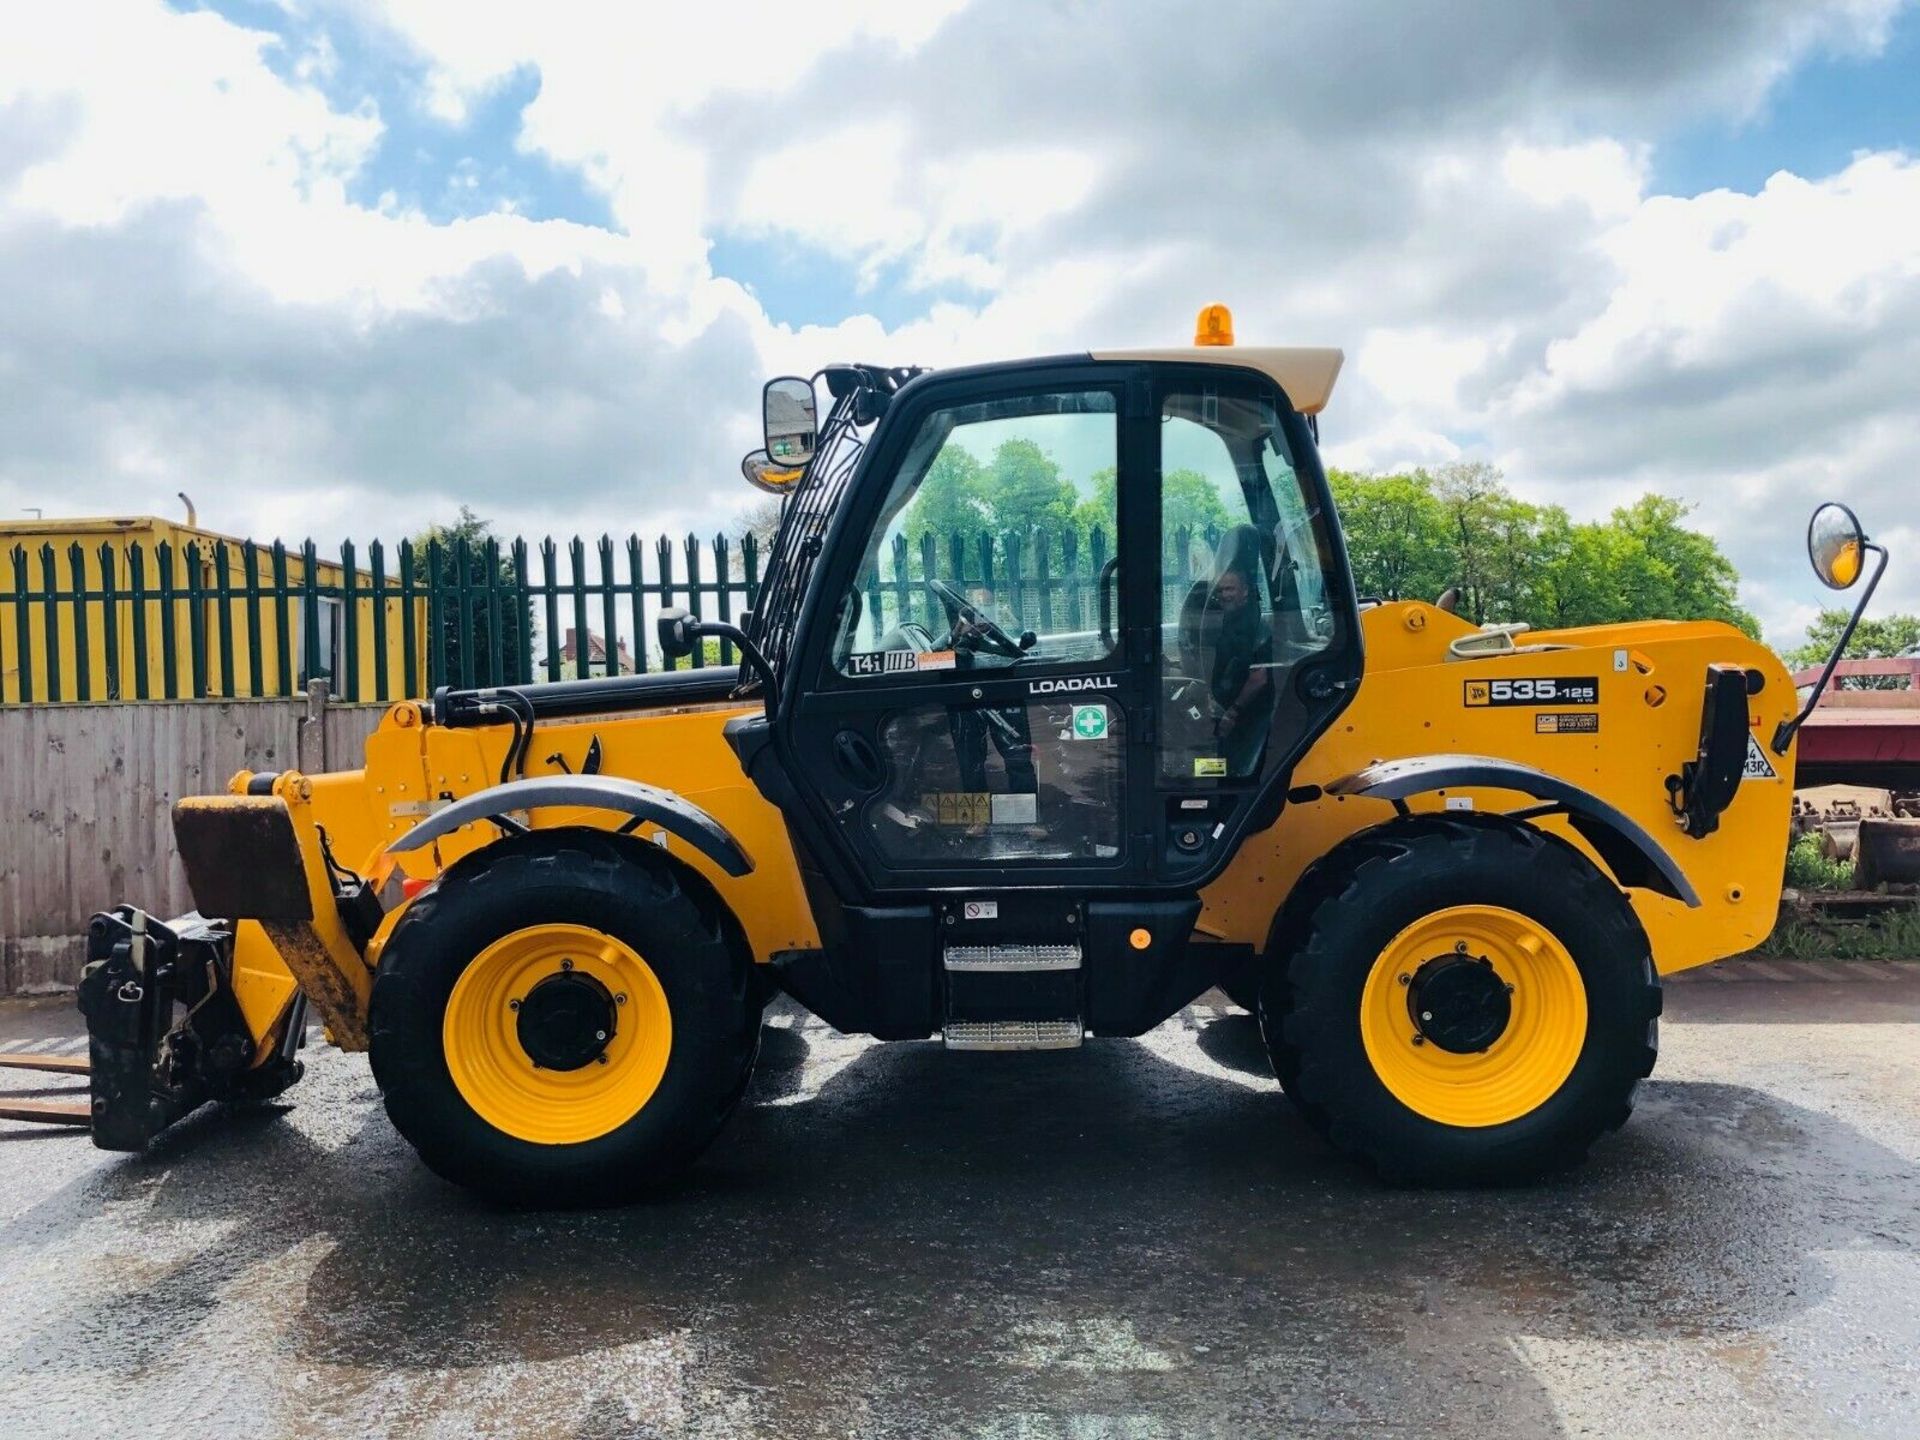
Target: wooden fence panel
{"type": "Point", "coordinates": [90, 789]}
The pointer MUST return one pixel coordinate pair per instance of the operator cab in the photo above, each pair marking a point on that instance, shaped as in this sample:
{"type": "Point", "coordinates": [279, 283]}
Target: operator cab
{"type": "Point", "coordinates": [1044, 642]}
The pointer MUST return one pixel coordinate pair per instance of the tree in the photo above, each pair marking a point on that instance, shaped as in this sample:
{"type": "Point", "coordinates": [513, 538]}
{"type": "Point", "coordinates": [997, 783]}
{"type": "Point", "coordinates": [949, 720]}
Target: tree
{"type": "Point", "coordinates": [1411, 536]}
{"type": "Point", "coordinates": [1027, 490]}
{"type": "Point", "coordinates": [468, 537]}
{"type": "Point", "coordinates": [954, 499]}
{"type": "Point", "coordinates": [1872, 640]}
{"type": "Point", "coordinates": [1396, 534]}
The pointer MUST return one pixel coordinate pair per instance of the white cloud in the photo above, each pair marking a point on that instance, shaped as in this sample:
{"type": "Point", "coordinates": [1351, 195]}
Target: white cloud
{"type": "Point", "coordinates": [1460, 197]}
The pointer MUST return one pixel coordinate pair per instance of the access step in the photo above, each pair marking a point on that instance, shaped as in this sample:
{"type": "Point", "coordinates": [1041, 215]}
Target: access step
{"type": "Point", "coordinates": [1009, 959]}
{"type": "Point", "coordinates": [1013, 1034]}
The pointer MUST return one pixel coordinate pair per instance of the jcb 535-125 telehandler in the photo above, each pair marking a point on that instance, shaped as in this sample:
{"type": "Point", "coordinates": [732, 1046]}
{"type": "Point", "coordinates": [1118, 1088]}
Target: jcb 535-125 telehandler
{"type": "Point", "coordinates": [1446, 864]}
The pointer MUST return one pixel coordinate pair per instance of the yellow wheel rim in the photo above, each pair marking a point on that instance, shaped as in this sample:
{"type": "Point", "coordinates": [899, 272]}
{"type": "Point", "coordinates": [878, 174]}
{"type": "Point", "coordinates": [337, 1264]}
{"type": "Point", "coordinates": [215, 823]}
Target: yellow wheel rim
{"type": "Point", "coordinates": [493, 1071]}
{"type": "Point", "coordinates": [1531, 1057]}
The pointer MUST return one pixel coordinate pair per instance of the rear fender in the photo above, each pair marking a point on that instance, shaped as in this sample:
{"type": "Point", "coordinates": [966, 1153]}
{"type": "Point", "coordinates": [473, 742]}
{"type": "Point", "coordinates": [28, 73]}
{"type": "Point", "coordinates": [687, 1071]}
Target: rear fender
{"type": "Point", "coordinates": [1635, 857]}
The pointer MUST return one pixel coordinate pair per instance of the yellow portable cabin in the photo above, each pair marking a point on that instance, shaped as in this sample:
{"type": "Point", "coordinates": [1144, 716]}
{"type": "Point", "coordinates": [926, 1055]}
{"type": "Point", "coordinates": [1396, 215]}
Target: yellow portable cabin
{"type": "Point", "coordinates": [143, 608]}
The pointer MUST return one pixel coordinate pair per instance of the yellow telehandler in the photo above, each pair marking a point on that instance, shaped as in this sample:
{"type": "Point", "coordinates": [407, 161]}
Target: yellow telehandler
{"type": "Point", "coordinates": [1447, 865]}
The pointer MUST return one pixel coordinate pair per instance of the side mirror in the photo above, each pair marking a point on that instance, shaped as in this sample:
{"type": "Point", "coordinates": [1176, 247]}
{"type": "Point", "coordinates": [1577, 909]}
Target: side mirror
{"type": "Point", "coordinates": [1838, 548]}
{"type": "Point", "coordinates": [763, 474]}
{"type": "Point", "coordinates": [676, 632]}
{"type": "Point", "coordinates": [1836, 545]}
{"type": "Point", "coordinates": [790, 420]}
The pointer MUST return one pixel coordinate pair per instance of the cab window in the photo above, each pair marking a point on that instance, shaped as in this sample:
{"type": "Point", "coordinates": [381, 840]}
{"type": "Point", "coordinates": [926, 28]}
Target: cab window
{"type": "Point", "coordinates": [991, 544]}
{"type": "Point", "coordinates": [1243, 574]}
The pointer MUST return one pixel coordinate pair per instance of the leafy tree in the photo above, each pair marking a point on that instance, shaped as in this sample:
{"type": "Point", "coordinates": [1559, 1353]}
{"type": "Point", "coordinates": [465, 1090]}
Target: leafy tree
{"type": "Point", "coordinates": [468, 535]}
{"type": "Point", "coordinates": [1027, 490]}
{"type": "Point", "coordinates": [956, 498]}
{"type": "Point", "coordinates": [1874, 639]}
{"type": "Point", "coordinates": [1412, 536]}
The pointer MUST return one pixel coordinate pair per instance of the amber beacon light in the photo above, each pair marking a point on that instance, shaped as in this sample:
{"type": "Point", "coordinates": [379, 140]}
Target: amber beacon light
{"type": "Point", "coordinates": [1214, 326]}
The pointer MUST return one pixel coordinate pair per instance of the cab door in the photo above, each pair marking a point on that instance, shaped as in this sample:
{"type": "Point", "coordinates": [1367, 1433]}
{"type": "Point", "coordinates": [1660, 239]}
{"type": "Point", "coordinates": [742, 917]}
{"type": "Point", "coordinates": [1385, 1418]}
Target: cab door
{"type": "Point", "coordinates": [1256, 643]}
{"type": "Point", "coordinates": [978, 707]}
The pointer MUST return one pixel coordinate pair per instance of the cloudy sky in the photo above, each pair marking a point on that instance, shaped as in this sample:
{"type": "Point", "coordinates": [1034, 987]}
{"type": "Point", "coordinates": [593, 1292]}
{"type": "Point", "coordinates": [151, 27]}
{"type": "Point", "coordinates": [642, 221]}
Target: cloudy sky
{"type": "Point", "coordinates": [338, 266]}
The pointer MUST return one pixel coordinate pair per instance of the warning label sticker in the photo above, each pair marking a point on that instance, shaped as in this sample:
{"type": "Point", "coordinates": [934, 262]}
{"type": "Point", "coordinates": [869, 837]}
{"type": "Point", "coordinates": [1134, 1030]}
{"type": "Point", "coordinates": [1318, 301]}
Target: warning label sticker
{"type": "Point", "coordinates": [1566, 722]}
{"type": "Point", "coordinates": [1206, 766]}
{"type": "Point", "coordinates": [1758, 767]}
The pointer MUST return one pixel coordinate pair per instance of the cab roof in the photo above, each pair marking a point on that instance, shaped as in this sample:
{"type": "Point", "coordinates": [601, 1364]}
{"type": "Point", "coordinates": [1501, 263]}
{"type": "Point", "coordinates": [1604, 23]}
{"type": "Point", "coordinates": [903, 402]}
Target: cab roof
{"type": "Point", "coordinates": [1305, 373]}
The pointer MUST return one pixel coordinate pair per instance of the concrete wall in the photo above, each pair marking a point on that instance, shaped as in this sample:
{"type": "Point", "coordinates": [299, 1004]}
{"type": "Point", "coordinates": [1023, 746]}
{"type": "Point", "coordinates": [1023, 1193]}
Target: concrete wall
{"type": "Point", "coordinates": [86, 793]}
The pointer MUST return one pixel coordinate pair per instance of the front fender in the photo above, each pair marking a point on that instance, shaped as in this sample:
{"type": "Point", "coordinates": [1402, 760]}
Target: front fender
{"type": "Point", "coordinates": [1634, 856]}
{"type": "Point", "coordinates": [595, 792]}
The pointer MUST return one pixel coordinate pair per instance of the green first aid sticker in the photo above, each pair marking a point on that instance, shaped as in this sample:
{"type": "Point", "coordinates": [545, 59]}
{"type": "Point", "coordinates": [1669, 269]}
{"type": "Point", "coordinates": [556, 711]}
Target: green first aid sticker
{"type": "Point", "coordinates": [1089, 722]}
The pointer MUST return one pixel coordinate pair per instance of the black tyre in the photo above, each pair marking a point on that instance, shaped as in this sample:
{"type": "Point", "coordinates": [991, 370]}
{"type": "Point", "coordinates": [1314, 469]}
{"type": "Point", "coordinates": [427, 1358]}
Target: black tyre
{"type": "Point", "coordinates": [563, 1019]}
{"type": "Point", "coordinates": [1243, 989]}
{"type": "Point", "coordinates": [1461, 1001]}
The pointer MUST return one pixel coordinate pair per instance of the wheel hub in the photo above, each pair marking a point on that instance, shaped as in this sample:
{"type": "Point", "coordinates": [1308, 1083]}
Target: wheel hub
{"type": "Point", "coordinates": [566, 1021]}
{"type": "Point", "coordinates": [1459, 1003]}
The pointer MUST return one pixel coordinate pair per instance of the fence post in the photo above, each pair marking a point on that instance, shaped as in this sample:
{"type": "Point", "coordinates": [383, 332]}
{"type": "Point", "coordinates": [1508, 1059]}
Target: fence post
{"type": "Point", "coordinates": [348, 662]}
{"type": "Point", "coordinates": [22, 628]}
{"type": "Point", "coordinates": [223, 587]}
{"type": "Point", "coordinates": [197, 619]}
{"type": "Point", "coordinates": [639, 607]}
{"type": "Point", "coordinates": [282, 621]}
{"type": "Point", "coordinates": [82, 641]}
{"type": "Point", "coordinates": [609, 615]}
{"type": "Point", "coordinates": [110, 614]}
{"type": "Point", "coordinates": [310, 595]}
{"type": "Point", "coordinates": [250, 579]}
{"type": "Point", "coordinates": [169, 624]}
{"type": "Point", "coordinates": [550, 595]}
{"type": "Point", "coordinates": [723, 585]}
{"type": "Point", "coordinates": [312, 746]}
{"type": "Point", "coordinates": [496, 641]}
{"type": "Point", "coordinates": [522, 617]}
{"type": "Point", "coordinates": [50, 622]}
{"type": "Point", "coordinates": [411, 680]}
{"type": "Point", "coordinates": [463, 622]}
{"type": "Point", "coordinates": [582, 634]}
{"type": "Point", "coordinates": [377, 558]}
{"type": "Point", "coordinates": [665, 551]}
{"type": "Point", "coordinates": [693, 596]}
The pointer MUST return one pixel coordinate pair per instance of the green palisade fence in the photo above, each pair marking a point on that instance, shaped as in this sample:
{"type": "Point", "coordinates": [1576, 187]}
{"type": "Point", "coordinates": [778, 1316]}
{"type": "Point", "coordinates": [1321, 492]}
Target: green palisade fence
{"type": "Point", "coordinates": [224, 620]}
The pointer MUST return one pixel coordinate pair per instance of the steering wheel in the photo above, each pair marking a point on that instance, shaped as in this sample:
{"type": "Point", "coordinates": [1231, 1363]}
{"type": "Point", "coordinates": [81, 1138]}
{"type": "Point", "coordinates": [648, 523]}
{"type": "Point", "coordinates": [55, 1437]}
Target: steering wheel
{"type": "Point", "coordinates": [960, 609]}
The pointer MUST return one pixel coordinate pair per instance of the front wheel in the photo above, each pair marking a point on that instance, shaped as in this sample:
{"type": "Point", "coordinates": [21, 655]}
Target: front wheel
{"type": "Point", "coordinates": [1468, 1002]}
{"type": "Point", "coordinates": [562, 1020]}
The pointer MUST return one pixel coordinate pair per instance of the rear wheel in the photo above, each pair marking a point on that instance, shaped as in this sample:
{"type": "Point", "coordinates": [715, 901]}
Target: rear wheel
{"type": "Point", "coordinates": [1468, 1002]}
{"type": "Point", "coordinates": [563, 1020]}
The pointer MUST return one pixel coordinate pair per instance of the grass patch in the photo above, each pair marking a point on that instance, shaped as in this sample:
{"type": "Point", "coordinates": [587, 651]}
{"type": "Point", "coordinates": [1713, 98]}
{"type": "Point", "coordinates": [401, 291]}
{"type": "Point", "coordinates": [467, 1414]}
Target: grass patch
{"type": "Point", "coordinates": [1800, 936]}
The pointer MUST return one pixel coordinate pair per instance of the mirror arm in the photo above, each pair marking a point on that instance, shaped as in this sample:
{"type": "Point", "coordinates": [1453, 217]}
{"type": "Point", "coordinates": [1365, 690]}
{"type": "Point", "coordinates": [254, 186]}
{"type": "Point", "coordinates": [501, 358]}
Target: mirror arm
{"type": "Point", "coordinates": [679, 632]}
{"type": "Point", "coordinates": [1783, 734]}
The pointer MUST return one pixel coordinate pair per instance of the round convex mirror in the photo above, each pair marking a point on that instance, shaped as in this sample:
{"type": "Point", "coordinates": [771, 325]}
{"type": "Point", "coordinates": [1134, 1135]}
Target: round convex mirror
{"type": "Point", "coordinates": [1836, 545]}
{"type": "Point", "coordinates": [763, 474]}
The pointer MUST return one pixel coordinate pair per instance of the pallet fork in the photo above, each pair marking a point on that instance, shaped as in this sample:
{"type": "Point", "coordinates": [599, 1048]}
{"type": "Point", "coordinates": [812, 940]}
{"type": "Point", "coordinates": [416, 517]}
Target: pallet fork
{"type": "Point", "coordinates": [60, 1111]}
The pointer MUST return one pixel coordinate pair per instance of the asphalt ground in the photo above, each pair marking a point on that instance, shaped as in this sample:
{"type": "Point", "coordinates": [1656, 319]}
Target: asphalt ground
{"type": "Point", "coordinates": [1137, 1239]}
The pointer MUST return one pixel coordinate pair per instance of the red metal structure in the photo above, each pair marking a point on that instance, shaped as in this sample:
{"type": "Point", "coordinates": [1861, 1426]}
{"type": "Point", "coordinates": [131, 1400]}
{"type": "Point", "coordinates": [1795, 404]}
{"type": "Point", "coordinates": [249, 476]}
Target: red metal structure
{"type": "Point", "coordinates": [1864, 736]}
